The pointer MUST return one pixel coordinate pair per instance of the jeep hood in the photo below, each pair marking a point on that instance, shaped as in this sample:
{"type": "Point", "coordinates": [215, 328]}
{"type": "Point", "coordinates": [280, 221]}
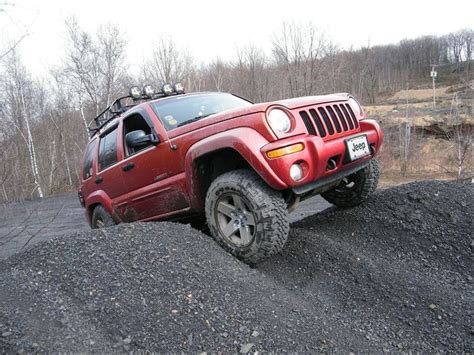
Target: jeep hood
{"type": "Point", "coordinates": [310, 100]}
{"type": "Point", "coordinates": [260, 107]}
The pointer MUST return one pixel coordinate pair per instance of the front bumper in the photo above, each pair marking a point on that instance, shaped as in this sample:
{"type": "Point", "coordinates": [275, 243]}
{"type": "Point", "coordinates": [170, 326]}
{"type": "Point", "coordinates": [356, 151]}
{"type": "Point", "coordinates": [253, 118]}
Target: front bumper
{"type": "Point", "coordinates": [316, 154]}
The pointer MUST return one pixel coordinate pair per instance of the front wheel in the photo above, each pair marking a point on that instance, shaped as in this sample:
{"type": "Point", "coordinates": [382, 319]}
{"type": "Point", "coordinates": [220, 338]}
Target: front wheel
{"type": "Point", "coordinates": [355, 188]}
{"type": "Point", "coordinates": [246, 217]}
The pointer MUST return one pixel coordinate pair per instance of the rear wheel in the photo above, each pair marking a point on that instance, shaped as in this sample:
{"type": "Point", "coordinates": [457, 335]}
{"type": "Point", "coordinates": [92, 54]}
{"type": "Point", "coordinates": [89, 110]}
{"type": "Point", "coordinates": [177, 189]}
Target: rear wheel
{"type": "Point", "coordinates": [101, 218]}
{"type": "Point", "coordinates": [246, 217]}
{"type": "Point", "coordinates": [355, 188]}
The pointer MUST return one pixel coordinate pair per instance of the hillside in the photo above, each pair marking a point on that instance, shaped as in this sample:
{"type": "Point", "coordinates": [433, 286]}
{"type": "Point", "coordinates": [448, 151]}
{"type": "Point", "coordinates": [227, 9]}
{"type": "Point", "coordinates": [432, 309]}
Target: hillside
{"type": "Point", "coordinates": [424, 137]}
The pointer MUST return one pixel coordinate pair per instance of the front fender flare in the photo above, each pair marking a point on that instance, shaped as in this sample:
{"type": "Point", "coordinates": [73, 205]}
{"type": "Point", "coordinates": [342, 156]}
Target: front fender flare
{"type": "Point", "coordinates": [245, 141]}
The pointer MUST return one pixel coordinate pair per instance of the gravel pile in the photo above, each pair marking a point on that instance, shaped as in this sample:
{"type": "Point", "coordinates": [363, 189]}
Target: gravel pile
{"type": "Point", "coordinates": [393, 274]}
{"type": "Point", "coordinates": [397, 269]}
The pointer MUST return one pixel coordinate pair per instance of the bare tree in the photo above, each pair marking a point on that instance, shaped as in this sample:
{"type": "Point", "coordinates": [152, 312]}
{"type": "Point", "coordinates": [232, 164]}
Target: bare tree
{"type": "Point", "coordinates": [368, 74]}
{"type": "Point", "coordinates": [252, 73]}
{"type": "Point", "coordinates": [20, 109]}
{"type": "Point", "coordinates": [217, 71]}
{"type": "Point", "coordinates": [301, 50]}
{"type": "Point", "coordinates": [95, 67]}
{"type": "Point", "coordinates": [460, 136]}
{"type": "Point", "coordinates": [467, 38]}
{"type": "Point", "coordinates": [168, 64]}
{"type": "Point", "coordinates": [22, 29]}
{"type": "Point", "coordinates": [81, 65]}
{"type": "Point", "coordinates": [111, 51]}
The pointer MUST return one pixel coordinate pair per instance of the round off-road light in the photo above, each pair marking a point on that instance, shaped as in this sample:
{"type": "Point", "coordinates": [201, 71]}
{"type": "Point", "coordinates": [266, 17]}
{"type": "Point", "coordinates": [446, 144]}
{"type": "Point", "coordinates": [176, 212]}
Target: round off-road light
{"type": "Point", "coordinates": [148, 91]}
{"type": "Point", "coordinates": [167, 89]}
{"type": "Point", "coordinates": [296, 172]}
{"type": "Point", "coordinates": [179, 88]}
{"type": "Point", "coordinates": [279, 121]}
{"type": "Point", "coordinates": [135, 92]}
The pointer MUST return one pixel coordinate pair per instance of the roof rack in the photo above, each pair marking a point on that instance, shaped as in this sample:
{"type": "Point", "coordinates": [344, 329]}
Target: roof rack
{"type": "Point", "coordinates": [124, 103]}
{"type": "Point", "coordinates": [117, 107]}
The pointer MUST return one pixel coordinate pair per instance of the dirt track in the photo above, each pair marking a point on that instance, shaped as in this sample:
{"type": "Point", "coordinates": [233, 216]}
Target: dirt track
{"type": "Point", "coordinates": [25, 223]}
{"type": "Point", "coordinates": [394, 274]}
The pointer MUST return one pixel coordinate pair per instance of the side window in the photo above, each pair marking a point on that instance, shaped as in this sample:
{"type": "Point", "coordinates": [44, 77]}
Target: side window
{"type": "Point", "coordinates": [135, 123]}
{"type": "Point", "coordinates": [108, 150]}
{"type": "Point", "coordinates": [89, 158]}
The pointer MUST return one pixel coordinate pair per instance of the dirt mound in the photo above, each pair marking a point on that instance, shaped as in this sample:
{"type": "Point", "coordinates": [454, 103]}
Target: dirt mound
{"type": "Point", "coordinates": [393, 274]}
{"type": "Point", "coordinates": [417, 94]}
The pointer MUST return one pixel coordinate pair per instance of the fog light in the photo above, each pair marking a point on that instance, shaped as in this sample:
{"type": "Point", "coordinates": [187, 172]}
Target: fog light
{"type": "Point", "coordinates": [296, 172]}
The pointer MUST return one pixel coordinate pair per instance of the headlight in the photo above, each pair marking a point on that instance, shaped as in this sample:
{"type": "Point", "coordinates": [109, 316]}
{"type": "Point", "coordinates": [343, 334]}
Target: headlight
{"type": "Point", "coordinates": [279, 121]}
{"type": "Point", "coordinates": [356, 106]}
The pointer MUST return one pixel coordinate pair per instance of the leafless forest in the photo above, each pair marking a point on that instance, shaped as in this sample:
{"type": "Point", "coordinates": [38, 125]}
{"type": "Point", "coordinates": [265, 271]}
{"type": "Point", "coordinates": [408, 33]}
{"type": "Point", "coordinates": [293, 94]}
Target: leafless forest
{"type": "Point", "coordinates": [43, 119]}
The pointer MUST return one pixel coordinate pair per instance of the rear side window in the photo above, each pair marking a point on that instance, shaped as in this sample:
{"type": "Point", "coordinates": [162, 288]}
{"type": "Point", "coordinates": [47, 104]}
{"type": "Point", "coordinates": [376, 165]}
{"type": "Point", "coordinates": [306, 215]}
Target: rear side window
{"type": "Point", "coordinates": [89, 158]}
{"type": "Point", "coordinates": [108, 150]}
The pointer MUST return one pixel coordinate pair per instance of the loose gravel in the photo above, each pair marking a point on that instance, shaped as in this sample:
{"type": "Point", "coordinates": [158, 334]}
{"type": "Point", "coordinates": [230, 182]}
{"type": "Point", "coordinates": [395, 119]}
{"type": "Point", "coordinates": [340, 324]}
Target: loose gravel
{"type": "Point", "coordinates": [394, 274]}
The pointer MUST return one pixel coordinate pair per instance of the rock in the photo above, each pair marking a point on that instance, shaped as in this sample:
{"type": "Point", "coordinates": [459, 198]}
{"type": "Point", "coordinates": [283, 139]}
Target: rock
{"type": "Point", "coordinates": [245, 348]}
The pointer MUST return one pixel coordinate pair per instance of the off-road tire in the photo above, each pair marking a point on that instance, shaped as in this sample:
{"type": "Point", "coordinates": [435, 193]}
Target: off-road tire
{"type": "Point", "coordinates": [270, 216]}
{"type": "Point", "coordinates": [101, 218]}
{"type": "Point", "coordinates": [364, 184]}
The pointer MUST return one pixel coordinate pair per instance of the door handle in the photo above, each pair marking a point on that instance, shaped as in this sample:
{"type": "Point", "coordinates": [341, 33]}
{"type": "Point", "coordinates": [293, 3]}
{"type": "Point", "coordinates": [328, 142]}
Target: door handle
{"type": "Point", "coordinates": [128, 167]}
{"type": "Point", "coordinates": [98, 179]}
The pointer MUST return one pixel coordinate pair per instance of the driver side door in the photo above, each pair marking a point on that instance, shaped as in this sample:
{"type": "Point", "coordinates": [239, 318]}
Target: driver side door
{"type": "Point", "coordinates": [149, 175]}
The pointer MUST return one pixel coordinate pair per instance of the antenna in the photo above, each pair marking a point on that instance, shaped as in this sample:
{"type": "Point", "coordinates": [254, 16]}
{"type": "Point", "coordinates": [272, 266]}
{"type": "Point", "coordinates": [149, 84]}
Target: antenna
{"type": "Point", "coordinates": [167, 137]}
{"type": "Point", "coordinates": [172, 146]}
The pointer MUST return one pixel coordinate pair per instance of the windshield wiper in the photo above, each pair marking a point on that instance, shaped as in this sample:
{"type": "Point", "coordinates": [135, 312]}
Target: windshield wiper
{"type": "Point", "coordinates": [197, 118]}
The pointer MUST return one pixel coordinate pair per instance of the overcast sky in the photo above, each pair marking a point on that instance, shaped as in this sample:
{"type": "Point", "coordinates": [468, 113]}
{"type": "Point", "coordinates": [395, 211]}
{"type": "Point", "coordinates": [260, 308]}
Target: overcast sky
{"type": "Point", "coordinates": [214, 28]}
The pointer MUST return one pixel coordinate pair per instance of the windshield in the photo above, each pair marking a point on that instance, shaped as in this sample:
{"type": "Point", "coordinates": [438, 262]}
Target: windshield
{"type": "Point", "coordinates": [181, 110]}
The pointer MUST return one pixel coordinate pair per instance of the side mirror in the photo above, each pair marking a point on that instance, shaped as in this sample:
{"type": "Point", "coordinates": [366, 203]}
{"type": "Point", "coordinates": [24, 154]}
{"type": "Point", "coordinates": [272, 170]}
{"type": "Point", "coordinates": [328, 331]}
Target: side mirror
{"type": "Point", "coordinates": [138, 139]}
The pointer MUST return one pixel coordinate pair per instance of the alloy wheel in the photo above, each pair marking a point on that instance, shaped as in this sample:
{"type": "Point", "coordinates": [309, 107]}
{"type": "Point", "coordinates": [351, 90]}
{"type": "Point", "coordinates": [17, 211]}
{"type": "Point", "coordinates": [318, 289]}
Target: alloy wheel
{"type": "Point", "coordinates": [235, 219]}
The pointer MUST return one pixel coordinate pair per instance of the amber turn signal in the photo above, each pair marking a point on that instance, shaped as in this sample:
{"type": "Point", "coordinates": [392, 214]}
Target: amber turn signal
{"type": "Point", "coordinates": [285, 151]}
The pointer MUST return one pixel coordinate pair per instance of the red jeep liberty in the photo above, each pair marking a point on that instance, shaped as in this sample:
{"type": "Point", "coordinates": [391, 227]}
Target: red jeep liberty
{"type": "Point", "coordinates": [168, 155]}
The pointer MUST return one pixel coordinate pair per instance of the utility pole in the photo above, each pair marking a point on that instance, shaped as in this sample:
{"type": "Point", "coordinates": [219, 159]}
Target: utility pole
{"type": "Point", "coordinates": [433, 76]}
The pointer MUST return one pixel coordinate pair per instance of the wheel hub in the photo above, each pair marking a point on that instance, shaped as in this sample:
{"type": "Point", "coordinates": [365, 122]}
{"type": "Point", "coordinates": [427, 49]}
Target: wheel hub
{"type": "Point", "coordinates": [240, 218]}
{"type": "Point", "coordinates": [235, 219]}
{"type": "Point", "coordinates": [100, 223]}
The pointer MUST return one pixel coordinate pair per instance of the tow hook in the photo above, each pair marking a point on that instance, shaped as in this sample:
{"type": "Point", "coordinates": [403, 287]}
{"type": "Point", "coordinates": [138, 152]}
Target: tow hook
{"type": "Point", "coordinates": [331, 164]}
{"type": "Point", "coordinates": [372, 150]}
